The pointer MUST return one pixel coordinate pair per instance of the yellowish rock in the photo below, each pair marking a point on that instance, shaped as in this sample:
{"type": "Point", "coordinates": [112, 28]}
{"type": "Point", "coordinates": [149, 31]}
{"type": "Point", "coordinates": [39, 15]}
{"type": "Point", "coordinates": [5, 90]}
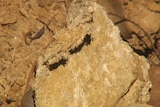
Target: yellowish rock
{"type": "Point", "coordinates": [89, 65]}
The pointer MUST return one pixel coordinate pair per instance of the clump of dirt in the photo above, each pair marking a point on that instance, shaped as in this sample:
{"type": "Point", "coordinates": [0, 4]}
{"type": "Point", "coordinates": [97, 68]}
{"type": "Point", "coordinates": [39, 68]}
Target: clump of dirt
{"type": "Point", "coordinates": [27, 27]}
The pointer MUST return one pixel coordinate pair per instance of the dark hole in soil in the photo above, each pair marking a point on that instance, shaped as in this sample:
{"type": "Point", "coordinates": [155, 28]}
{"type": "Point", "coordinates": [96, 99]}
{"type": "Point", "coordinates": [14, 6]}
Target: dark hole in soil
{"type": "Point", "coordinates": [146, 52]}
{"type": "Point", "coordinates": [86, 41]}
{"type": "Point", "coordinates": [57, 64]}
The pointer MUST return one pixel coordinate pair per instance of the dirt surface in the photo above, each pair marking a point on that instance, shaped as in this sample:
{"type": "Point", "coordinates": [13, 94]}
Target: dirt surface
{"type": "Point", "coordinates": [155, 93]}
{"type": "Point", "coordinates": [27, 27]}
{"type": "Point", "coordinates": [21, 23]}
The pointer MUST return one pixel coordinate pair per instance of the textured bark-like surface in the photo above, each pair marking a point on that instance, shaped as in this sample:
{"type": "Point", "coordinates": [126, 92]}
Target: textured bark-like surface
{"type": "Point", "coordinates": [89, 65]}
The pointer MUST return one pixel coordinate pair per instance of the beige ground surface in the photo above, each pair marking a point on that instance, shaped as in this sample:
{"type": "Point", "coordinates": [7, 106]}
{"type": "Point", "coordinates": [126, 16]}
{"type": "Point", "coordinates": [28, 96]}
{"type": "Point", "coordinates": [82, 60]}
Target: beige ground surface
{"type": "Point", "coordinates": [22, 20]}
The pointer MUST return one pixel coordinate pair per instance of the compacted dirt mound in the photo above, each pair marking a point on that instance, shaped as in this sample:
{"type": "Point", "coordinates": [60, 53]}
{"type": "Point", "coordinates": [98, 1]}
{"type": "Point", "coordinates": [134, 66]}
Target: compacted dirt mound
{"type": "Point", "coordinates": [27, 27]}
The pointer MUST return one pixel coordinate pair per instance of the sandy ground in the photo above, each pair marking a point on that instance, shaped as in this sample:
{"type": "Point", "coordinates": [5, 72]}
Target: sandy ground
{"type": "Point", "coordinates": [27, 27]}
